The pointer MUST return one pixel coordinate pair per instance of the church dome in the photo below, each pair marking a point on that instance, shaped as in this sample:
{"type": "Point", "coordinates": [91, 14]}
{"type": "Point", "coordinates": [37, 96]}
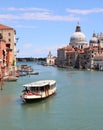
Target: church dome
{"type": "Point", "coordinates": [94, 39]}
{"type": "Point", "coordinates": [78, 38]}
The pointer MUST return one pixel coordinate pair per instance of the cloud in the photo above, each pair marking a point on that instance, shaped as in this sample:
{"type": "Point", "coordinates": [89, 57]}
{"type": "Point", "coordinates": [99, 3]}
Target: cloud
{"type": "Point", "coordinates": [34, 14]}
{"type": "Point", "coordinates": [36, 50]}
{"type": "Point", "coordinates": [48, 17]}
{"type": "Point", "coordinates": [25, 26]}
{"type": "Point", "coordinates": [85, 12]}
{"type": "Point", "coordinates": [24, 9]}
{"type": "Point", "coordinates": [43, 14]}
{"type": "Point", "coordinates": [39, 16]}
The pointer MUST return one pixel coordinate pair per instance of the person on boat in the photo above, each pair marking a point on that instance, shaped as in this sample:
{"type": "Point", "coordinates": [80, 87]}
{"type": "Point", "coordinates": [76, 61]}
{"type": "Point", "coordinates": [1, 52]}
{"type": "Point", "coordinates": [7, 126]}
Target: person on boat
{"type": "Point", "coordinates": [25, 91]}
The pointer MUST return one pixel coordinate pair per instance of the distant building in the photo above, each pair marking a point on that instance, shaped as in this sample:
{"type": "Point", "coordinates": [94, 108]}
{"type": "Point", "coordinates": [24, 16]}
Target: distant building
{"type": "Point", "coordinates": [78, 54]}
{"type": "Point", "coordinates": [100, 39]}
{"type": "Point", "coordinates": [96, 44]}
{"type": "Point", "coordinates": [50, 60]}
{"type": "Point", "coordinates": [70, 55]}
{"type": "Point", "coordinates": [64, 56]}
{"type": "Point", "coordinates": [94, 40]}
{"type": "Point", "coordinates": [98, 62]}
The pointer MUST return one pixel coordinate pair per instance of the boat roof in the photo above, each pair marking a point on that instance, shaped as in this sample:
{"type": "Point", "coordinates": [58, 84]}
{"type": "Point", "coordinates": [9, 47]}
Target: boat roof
{"type": "Point", "coordinates": [40, 83]}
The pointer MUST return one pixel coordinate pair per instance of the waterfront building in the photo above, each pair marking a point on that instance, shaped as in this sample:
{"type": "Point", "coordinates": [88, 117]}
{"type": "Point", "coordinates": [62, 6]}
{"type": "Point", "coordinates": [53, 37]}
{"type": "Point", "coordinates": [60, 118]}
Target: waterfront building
{"type": "Point", "coordinates": [63, 58]}
{"type": "Point", "coordinates": [94, 40]}
{"type": "Point", "coordinates": [8, 34]}
{"type": "Point", "coordinates": [3, 57]}
{"type": "Point", "coordinates": [8, 48]}
{"type": "Point", "coordinates": [100, 39]}
{"type": "Point", "coordinates": [96, 45]}
{"type": "Point", "coordinates": [78, 54]}
{"type": "Point", "coordinates": [50, 60]}
{"type": "Point", "coordinates": [98, 62]}
{"type": "Point", "coordinates": [72, 55]}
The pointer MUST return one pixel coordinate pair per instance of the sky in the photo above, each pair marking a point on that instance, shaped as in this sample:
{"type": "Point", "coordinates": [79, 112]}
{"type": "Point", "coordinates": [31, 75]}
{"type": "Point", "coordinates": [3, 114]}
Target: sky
{"type": "Point", "coordinates": [46, 25]}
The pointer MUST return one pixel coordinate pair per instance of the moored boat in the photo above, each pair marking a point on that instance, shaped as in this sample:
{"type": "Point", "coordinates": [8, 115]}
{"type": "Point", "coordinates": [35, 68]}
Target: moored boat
{"type": "Point", "coordinates": [38, 90]}
{"type": "Point", "coordinates": [21, 73]}
{"type": "Point", "coordinates": [10, 78]}
{"type": "Point", "coordinates": [32, 73]}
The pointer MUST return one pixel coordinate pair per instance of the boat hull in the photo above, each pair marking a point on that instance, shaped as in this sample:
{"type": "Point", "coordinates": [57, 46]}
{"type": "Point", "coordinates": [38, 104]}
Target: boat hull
{"type": "Point", "coordinates": [36, 99]}
{"type": "Point", "coordinates": [33, 98]}
{"type": "Point", "coordinates": [10, 79]}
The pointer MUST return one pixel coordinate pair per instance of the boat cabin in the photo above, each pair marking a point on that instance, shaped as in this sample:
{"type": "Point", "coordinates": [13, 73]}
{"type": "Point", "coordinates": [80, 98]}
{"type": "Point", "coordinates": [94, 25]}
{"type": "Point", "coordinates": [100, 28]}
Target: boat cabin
{"type": "Point", "coordinates": [38, 88]}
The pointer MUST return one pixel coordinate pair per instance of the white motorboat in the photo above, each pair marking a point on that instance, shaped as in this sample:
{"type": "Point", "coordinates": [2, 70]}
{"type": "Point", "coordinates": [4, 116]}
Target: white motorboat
{"type": "Point", "coordinates": [38, 90]}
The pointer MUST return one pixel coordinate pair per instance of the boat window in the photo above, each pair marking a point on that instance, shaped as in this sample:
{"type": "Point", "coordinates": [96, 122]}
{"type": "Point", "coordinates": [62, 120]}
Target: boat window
{"type": "Point", "coordinates": [42, 88]}
{"type": "Point", "coordinates": [32, 89]}
{"type": "Point", "coordinates": [52, 86]}
{"type": "Point", "coordinates": [47, 87]}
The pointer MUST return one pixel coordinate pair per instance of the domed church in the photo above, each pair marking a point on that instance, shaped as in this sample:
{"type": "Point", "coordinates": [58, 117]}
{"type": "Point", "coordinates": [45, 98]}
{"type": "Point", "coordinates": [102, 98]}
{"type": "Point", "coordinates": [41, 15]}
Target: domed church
{"type": "Point", "coordinates": [78, 39]}
{"type": "Point", "coordinates": [94, 40]}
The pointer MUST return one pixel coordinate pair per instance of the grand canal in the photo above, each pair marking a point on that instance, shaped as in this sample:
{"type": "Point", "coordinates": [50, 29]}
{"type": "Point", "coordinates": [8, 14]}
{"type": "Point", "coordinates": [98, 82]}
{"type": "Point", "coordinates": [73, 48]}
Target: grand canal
{"type": "Point", "coordinates": [77, 105]}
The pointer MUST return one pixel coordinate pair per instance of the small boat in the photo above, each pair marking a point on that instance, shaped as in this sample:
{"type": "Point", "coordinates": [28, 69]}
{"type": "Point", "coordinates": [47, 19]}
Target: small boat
{"type": "Point", "coordinates": [17, 75]}
{"type": "Point", "coordinates": [21, 73]}
{"type": "Point", "coordinates": [32, 73]}
{"type": "Point", "coordinates": [10, 78]}
{"type": "Point", "coordinates": [38, 90]}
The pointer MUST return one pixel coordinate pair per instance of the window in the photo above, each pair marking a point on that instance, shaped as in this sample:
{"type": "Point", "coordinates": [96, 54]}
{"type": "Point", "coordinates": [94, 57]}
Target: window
{"type": "Point", "coordinates": [9, 40]}
{"type": "Point", "coordinates": [9, 34]}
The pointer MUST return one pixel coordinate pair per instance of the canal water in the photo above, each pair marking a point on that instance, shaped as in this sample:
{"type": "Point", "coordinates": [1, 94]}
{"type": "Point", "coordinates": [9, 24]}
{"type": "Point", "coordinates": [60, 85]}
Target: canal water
{"type": "Point", "coordinates": [77, 105]}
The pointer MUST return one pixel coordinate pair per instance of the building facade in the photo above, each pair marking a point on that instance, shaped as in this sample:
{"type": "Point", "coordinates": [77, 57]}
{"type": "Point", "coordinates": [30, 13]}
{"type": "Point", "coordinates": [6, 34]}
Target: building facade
{"type": "Point", "coordinates": [50, 60]}
{"type": "Point", "coordinates": [7, 48]}
{"type": "Point", "coordinates": [72, 54]}
{"type": "Point", "coordinates": [8, 35]}
{"type": "Point", "coordinates": [80, 54]}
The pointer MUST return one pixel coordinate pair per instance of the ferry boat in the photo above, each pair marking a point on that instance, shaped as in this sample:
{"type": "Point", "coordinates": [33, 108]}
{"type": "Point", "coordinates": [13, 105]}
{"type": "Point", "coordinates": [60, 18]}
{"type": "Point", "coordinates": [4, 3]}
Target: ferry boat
{"type": "Point", "coordinates": [38, 90]}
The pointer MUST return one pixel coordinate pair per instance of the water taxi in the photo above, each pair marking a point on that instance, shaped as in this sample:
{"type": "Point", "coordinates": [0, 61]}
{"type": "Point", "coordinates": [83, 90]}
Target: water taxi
{"type": "Point", "coordinates": [38, 90]}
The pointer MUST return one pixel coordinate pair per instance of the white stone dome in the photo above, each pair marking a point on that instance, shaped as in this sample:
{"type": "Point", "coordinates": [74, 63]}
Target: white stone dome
{"type": "Point", "coordinates": [78, 38]}
{"type": "Point", "coordinates": [94, 39]}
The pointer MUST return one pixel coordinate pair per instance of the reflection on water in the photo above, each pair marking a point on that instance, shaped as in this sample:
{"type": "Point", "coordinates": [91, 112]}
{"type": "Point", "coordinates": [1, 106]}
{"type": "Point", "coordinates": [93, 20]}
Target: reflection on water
{"type": "Point", "coordinates": [5, 100]}
{"type": "Point", "coordinates": [41, 105]}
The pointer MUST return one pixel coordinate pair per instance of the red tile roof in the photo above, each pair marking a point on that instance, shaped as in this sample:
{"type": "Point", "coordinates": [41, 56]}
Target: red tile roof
{"type": "Point", "coordinates": [5, 27]}
{"type": "Point", "coordinates": [99, 55]}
